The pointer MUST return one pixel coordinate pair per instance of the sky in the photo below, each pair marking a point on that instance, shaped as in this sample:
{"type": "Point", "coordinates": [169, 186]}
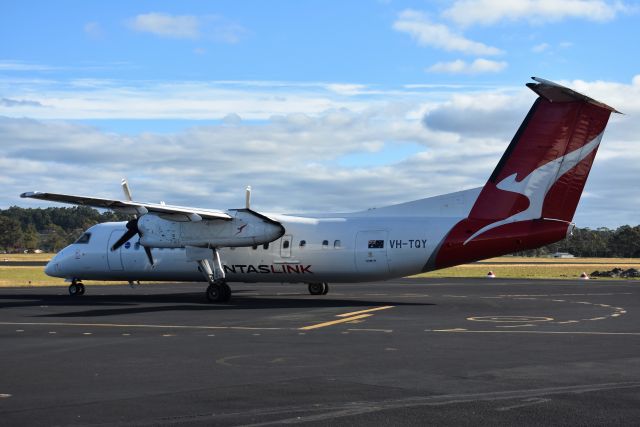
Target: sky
{"type": "Point", "coordinates": [318, 105]}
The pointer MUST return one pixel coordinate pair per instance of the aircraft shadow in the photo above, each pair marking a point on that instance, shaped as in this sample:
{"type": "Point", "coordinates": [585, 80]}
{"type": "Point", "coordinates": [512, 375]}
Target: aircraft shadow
{"type": "Point", "coordinates": [113, 305]}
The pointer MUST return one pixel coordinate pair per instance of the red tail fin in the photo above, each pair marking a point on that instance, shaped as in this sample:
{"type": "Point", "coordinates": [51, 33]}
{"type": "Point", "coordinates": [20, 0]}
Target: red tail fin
{"type": "Point", "coordinates": [531, 196]}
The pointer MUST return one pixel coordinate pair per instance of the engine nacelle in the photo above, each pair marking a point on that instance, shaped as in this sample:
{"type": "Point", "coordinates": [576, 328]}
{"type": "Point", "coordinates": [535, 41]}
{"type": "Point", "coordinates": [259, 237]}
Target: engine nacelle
{"type": "Point", "coordinates": [246, 228]}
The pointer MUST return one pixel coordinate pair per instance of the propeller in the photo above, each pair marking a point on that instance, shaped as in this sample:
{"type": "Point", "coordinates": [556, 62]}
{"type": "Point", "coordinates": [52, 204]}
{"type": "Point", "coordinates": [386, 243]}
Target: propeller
{"type": "Point", "coordinates": [132, 227]}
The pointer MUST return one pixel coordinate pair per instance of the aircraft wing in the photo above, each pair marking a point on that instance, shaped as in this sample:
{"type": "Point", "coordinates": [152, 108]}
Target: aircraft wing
{"type": "Point", "coordinates": [130, 207]}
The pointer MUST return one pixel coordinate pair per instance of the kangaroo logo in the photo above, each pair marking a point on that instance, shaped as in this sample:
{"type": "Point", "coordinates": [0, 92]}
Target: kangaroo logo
{"type": "Point", "coordinates": [537, 184]}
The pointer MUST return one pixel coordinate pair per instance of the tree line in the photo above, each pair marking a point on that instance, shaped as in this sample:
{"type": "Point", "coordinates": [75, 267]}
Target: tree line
{"type": "Point", "coordinates": [51, 229]}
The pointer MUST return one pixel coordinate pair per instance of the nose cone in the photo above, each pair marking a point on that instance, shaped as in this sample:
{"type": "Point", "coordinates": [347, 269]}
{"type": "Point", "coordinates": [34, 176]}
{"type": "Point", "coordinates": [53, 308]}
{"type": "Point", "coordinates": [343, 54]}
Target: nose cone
{"type": "Point", "coordinates": [53, 267]}
{"type": "Point", "coordinates": [49, 268]}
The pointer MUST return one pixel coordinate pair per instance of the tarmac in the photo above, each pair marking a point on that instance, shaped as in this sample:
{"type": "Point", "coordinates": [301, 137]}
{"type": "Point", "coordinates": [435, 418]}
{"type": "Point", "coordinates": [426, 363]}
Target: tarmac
{"type": "Point", "coordinates": [413, 352]}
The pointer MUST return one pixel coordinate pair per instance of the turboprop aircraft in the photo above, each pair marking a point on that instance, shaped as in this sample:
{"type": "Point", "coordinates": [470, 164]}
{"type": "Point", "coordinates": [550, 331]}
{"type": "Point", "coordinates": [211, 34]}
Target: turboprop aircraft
{"type": "Point", "coordinates": [529, 201]}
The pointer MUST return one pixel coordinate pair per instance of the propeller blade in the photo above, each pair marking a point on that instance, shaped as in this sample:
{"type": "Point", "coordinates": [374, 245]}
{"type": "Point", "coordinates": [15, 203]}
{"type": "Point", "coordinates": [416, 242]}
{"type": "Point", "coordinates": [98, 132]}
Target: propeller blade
{"type": "Point", "coordinates": [149, 255]}
{"type": "Point", "coordinates": [132, 230]}
{"type": "Point", "coordinates": [126, 190]}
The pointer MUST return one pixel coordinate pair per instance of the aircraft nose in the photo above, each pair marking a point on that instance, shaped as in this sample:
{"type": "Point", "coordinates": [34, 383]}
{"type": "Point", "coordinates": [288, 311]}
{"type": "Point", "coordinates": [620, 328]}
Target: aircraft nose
{"type": "Point", "coordinates": [49, 268]}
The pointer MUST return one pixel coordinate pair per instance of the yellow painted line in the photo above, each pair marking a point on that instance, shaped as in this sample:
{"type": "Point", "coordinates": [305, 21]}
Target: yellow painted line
{"type": "Point", "coordinates": [354, 313]}
{"type": "Point", "coordinates": [334, 322]}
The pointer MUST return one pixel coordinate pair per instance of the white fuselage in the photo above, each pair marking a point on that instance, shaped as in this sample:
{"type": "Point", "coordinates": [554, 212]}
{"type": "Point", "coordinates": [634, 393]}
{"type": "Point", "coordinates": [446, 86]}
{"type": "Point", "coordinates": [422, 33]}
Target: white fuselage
{"type": "Point", "coordinates": [373, 245]}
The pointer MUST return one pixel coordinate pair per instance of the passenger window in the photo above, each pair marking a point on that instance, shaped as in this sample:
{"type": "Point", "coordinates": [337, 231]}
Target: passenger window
{"type": "Point", "coordinates": [336, 244]}
{"type": "Point", "coordinates": [265, 246]}
{"type": "Point", "coordinates": [325, 243]}
{"type": "Point", "coordinates": [84, 238]}
{"type": "Point", "coordinates": [285, 244]}
{"type": "Point", "coordinates": [303, 243]}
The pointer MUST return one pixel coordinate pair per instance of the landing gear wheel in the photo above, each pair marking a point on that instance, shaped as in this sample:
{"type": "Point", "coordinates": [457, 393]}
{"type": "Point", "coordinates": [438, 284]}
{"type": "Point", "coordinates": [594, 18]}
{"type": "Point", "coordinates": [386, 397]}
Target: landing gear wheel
{"type": "Point", "coordinates": [218, 292]}
{"type": "Point", "coordinates": [318, 288]}
{"type": "Point", "coordinates": [226, 291]}
{"type": "Point", "coordinates": [76, 288]}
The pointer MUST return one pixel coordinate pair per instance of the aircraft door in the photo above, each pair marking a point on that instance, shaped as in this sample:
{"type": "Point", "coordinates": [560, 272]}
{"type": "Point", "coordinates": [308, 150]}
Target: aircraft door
{"type": "Point", "coordinates": [114, 258]}
{"type": "Point", "coordinates": [371, 252]}
{"type": "Point", "coordinates": [285, 246]}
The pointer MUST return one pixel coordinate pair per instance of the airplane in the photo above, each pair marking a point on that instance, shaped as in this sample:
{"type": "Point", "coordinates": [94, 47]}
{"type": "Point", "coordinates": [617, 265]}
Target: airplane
{"type": "Point", "coordinates": [528, 201]}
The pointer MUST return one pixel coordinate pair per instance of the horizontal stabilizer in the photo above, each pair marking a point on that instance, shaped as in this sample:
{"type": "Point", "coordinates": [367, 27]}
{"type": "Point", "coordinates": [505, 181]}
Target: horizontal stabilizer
{"type": "Point", "coordinates": [554, 92]}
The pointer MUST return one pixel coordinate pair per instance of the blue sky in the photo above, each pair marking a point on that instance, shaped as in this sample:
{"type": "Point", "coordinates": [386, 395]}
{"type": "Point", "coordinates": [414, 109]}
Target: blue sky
{"type": "Point", "coordinates": [346, 105]}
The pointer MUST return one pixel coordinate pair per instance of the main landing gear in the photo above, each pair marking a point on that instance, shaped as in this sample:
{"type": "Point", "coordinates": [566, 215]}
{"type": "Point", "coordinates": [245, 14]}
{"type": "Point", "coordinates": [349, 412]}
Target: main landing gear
{"type": "Point", "coordinates": [76, 288]}
{"type": "Point", "coordinates": [318, 288]}
{"type": "Point", "coordinates": [218, 290]}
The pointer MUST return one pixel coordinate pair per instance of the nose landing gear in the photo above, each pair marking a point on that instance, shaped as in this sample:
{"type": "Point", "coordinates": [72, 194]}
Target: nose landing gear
{"type": "Point", "coordinates": [76, 288]}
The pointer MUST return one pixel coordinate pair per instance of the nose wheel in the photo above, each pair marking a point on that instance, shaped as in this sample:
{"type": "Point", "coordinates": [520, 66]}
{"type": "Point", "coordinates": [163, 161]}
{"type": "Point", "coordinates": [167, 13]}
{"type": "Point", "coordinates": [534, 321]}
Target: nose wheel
{"type": "Point", "coordinates": [76, 288]}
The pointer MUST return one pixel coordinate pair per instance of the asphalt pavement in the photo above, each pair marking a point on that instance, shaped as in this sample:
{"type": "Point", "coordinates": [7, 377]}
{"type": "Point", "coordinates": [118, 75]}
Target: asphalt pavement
{"type": "Point", "coordinates": [410, 352]}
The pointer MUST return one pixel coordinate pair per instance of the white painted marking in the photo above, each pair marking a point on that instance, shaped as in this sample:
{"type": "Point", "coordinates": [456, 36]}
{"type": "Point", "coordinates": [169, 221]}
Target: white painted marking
{"type": "Point", "coordinates": [568, 321]}
{"type": "Point", "coordinates": [4, 395]}
{"type": "Point", "coordinates": [122, 325]}
{"type": "Point", "coordinates": [516, 326]}
{"type": "Point", "coordinates": [615, 315]}
{"type": "Point", "coordinates": [388, 331]}
{"type": "Point", "coordinates": [126, 335]}
{"type": "Point", "coordinates": [256, 335]}
{"type": "Point", "coordinates": [510, 319]}
{"type": "Point", "coordinates": [211, 335]}
{"type": "Point", "coordinates": [87, 333]}
{"type": "Point", "coordinates": [52, 332]}
{"type": "Point", "coordinates": [526, 402]}
{"type": "Point", "coordinates": [535, 332]}
{"type": "Point", "coordinates": [168, 335]}
{"type": "Point", "coordinates": [391, 349]}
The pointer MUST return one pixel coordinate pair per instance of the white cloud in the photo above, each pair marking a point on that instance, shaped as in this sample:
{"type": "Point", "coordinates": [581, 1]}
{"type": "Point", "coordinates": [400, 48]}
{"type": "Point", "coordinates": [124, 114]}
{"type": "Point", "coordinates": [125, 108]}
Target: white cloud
{"type": "Point", "coordinates": [189, 100]}
{"type": "Point", "coordinates": [487, 12]}
{"type": "Point", "coordinates": [293, 159]}
{"type": "Point", "coordinates": [437, 35]}
{"type": "Point", "coordinates": [459, 66]}
{"type": "Point", "coordinates": [165, 25]}
{"type": "Point", "coordinates": [9, 65]}
{"type": "Point", "coordinates": [94, 30]}
{"type": "Point", "coordinates": [207, 27]}
{"type": "Point", "coordinates": [539, 48]}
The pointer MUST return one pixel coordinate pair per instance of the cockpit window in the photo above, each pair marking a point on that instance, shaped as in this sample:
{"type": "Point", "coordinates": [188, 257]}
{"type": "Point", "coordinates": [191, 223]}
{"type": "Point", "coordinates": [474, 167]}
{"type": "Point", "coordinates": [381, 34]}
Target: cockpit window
{"type": "Point", "coordinates": [84, 238]}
